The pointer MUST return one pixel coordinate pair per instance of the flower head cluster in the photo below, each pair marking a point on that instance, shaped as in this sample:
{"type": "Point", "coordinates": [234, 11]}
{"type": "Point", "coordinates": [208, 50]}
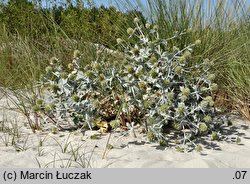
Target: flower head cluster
{"type": "Point", "coordinates": [178, 95]}
{"type": "Point", "coordinates": [156, 83]}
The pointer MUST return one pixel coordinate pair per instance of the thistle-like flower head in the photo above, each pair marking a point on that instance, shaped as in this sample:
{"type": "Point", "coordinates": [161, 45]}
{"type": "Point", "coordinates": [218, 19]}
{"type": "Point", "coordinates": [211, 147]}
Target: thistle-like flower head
{"type": "Point", "coordinates": [119, 40]}
{"type": "Point", "coordinates": [130, 31]}
{"type": "Point", "coordinates": [197, 42]}
{"type": "Point", "coordinates": [77, 54]}
{"type": "Point", "coordinates": [203, 128]}
{"type": "Point", "coordinates": [136, 20]}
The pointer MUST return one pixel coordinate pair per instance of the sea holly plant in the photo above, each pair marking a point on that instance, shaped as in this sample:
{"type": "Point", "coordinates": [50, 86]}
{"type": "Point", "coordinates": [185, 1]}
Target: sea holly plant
{"type": "Point", "coordinates": [68, 93]}
{"type": "Point", "coordinates": [81, 95]}
{"type": "Point", "coordinates": [153, 84]}
{"type": "Point", "coordinates": [162, 83]}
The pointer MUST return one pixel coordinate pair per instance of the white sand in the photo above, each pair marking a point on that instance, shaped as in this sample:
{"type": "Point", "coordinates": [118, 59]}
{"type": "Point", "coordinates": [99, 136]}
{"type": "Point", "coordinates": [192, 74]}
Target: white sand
{"type": "Point", "coordinates": [127, 152]}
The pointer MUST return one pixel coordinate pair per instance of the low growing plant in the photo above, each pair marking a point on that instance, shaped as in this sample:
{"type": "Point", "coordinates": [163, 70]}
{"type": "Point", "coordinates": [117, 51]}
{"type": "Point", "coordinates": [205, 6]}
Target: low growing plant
{"type": "Point", "coordinates": [168, 90]}
{"type": "Point", "coordinates": [154, 84]}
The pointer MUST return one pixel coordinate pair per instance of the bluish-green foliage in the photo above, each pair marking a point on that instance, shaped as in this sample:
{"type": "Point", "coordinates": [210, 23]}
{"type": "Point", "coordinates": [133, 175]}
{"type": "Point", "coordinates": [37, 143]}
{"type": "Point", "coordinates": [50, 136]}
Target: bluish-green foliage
{"type": "Point", "coordinates": [155, 82]}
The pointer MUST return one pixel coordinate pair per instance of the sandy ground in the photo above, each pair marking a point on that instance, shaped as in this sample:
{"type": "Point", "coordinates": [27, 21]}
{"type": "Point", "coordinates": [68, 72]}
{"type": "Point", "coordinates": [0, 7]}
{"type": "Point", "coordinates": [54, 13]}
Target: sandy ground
{"type": "Point", "coordinates": [77, 149]}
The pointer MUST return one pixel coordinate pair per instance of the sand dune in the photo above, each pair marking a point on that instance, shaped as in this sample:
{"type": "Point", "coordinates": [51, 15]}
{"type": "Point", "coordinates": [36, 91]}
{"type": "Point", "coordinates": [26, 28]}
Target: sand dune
{"type": "Point", "coordinates": [76, 149]}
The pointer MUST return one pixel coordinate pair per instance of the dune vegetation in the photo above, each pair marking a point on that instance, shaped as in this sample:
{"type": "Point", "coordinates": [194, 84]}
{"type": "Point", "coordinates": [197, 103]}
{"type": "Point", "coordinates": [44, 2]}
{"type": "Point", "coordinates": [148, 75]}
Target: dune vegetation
{"type": "Point", "coordinates": [166, 64]}
{"type": "Point", "coordinates": [31, 33]}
